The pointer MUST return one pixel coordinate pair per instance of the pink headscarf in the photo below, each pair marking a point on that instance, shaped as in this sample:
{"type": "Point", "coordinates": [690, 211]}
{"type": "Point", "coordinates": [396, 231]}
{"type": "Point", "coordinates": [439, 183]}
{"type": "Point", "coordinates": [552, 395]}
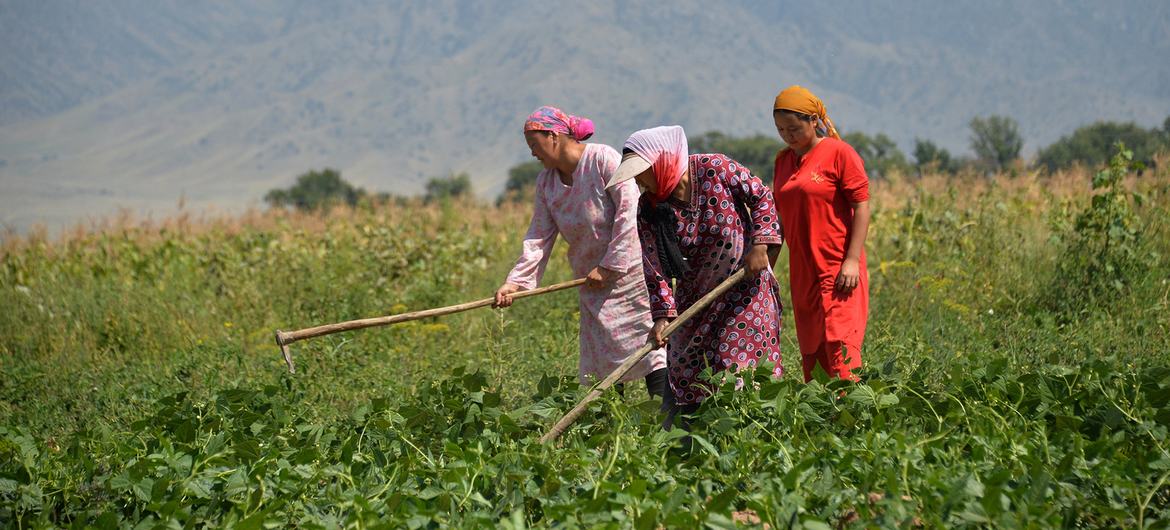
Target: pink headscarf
{"type": "Point", "coordinates": [666, 149]}
{"type": "Point", "coordinates": [555, 120]}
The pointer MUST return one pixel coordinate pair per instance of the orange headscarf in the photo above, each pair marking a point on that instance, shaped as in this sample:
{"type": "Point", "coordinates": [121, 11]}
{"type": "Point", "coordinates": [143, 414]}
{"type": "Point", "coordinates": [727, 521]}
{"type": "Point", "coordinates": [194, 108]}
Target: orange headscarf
{"type": "Point", "coordinates": [799, 99]}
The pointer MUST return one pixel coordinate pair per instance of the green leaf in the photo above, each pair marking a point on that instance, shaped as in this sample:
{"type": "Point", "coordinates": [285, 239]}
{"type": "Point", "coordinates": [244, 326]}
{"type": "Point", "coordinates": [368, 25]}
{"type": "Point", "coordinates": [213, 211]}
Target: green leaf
{"type": "Point", "coordinates": [813, 524]}
{"type": "Point", "coordinates": [121, 481]}
{"type": "Point", "coordinates": [254, 521]}
{"type": "Point", "coordinates": [142, 489]}
{"type": "Point", "coordinates": [706, 445]}
{"type": "Point", "coordinates": [719, 521]}
{"type": "Point", "coordinates": [199, 487]}
{"type": "Point", "coordinates": [845, 419]}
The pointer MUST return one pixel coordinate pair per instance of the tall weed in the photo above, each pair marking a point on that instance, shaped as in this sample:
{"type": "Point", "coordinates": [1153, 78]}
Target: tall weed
{"type": "Point", "coordinates": [1105, 254]}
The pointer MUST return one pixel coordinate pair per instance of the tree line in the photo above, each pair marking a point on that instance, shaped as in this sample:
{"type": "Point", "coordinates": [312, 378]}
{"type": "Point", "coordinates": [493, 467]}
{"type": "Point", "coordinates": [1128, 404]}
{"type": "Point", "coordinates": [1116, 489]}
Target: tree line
{"type": "Point", "coordinates": [323, 189]}
{"type": "Point", "coordinates": [995, 142]}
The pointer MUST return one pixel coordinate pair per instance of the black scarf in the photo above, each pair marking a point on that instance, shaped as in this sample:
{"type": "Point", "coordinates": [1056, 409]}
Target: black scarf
{"type": "Point", "coordinates": [664, 225]}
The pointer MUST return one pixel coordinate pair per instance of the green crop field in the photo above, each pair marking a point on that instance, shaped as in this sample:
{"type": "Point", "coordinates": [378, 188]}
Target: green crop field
{"type": "Point", "coordinates": [1016, 375]}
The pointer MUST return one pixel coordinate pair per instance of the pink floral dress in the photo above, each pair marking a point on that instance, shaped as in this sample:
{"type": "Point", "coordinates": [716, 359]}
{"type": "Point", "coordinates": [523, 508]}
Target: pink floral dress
{"type": "Point", "coordinates": [741, 328]}
{"type": "Point", "coordinates": [600, 228]}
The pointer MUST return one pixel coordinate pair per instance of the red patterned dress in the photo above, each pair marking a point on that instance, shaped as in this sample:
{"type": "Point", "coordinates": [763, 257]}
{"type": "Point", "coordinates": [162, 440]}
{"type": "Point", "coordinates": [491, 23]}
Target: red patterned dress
{"type": "Point", "coordinates": [741, 328]}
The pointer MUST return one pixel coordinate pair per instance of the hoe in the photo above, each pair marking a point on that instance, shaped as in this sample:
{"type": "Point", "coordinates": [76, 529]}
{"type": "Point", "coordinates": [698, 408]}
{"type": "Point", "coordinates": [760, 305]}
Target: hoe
{"type": "Point", "coordinates": [284, 338]}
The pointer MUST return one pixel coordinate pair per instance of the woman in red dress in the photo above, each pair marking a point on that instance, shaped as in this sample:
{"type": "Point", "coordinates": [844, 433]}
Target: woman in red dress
{"type": "Point", "coordinates": [822, 197]}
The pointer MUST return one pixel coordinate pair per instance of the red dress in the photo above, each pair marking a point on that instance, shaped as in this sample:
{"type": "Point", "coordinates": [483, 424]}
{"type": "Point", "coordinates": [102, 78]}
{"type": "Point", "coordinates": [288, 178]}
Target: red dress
{"type": "Point", "coordinates": [814, 197]}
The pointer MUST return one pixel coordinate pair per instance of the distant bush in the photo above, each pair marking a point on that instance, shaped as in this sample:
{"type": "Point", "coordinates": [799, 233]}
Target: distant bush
{"type": "Point", "coordinates": [521, 182]}
{"type": "Point", "coordinates": [316, 190]}
{"type": "Point", "coordinates": [880, 153]}
{"type": "Point", "coordinates": [930, 158]}
{"type": "Point", "coordinates": [757, 152]}
{"type": "Point", "coordinates": [996, 141]}
{"type": "Point", "coordinates": [449, 187]}
{"type": "Point", "coordinates": [1092, 145]}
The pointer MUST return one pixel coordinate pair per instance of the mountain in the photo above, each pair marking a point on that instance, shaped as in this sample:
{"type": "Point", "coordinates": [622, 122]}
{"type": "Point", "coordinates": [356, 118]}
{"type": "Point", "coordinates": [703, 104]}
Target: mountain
{"type": "Point", "coordinates": [138, 103]}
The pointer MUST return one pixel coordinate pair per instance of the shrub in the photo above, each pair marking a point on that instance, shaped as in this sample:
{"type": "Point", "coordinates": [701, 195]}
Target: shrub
{"type": "Point", "coordinates": [757, 153]}
{"type": "Point", "coordinates": [316, 190]}
{"type": "Point", "coordinates": [996, 141]}
{"type": "Point", "coordinates": [881, 155]}
{"type": "Point", "coordinates": [521, 181]}
{"type": "Point", "coordinates": [1104, 253]}
{"type": "Point", "coordinates": [1093, 144]}
{"type": "Point", "coordinates": [449, 187]}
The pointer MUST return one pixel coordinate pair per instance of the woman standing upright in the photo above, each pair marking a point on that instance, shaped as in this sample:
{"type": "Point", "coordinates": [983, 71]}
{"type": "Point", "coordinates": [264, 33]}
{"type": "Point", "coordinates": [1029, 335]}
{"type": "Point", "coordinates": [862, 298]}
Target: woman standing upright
{"type": "Point", "coordinates": [702, 218]}
{"type": "Point", "coordinates": [600, 227]}
{"type": "Point", "coordinates": [822, 195]}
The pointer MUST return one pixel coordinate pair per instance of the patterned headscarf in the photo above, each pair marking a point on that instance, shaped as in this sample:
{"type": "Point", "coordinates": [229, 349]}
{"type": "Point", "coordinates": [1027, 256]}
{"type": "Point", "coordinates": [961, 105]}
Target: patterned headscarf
{"type": "Point", "coordinates": [666, 149]}
{"type": "Point", "coordinates": [799, 99]}
{"type": "Point", "coordinates": [555, 120]}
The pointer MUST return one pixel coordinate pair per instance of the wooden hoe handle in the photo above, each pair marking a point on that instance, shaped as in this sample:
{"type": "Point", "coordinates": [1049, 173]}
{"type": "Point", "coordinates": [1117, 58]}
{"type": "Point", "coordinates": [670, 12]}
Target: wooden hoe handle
{"type": "Point", "coordinates": [284, 338]}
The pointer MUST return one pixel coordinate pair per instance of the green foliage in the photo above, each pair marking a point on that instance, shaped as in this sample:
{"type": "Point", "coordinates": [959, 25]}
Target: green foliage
{"type": "Point", "coordinates": [895, 451]}
{"type": "Point", "coordinates": [139, 386]}
{"type": "Point", "coordinates": [930, 158]}
{"type": "Point", "coordinates": [453, 186]}
{"type": "Point", "coordinates": [1092, 145]}
{"type": "Point", "coordinates": [521, 182]}
{"type": "Point", "coordinates": [757, 152]}
{"type": "Point", "coordinates": [880, 153]}
{"type": "Point", "coordinates": [1105, 255]}
{"type": "Point", "coordinates": [996, 141]}
{"type": "Point", "coordinates": [316, 190]}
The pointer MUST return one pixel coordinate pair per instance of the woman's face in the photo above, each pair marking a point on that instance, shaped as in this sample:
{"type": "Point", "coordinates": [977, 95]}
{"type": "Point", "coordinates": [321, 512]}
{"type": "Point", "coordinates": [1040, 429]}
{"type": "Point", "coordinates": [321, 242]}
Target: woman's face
{"type": "Point", "coordinates": [646, 181]}
{"type": "Point", "coordinates": [795, 132]}
{"type": "Point", "coordinates": [543, 146]}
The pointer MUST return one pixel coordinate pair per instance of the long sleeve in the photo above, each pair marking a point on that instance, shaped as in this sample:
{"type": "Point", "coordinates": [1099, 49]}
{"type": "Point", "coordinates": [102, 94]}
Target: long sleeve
{"type": "Point", "coordinates": [854, 180]}
{"type": "Point", "coordinates": [538, 244]}
{"type": "Point", "coordinates": [662, 304]}
{"type": "Point", "coordinates": [750, 191]}
{"type": "Point", "coordinates": [622, 253]}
